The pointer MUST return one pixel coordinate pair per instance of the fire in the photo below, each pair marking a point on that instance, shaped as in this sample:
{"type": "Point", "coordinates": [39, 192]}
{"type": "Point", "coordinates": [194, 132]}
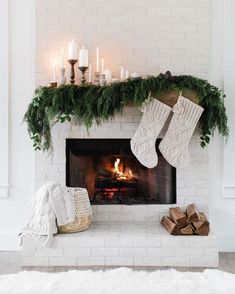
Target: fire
{"type": "Point", "coordinates": [118, 171]}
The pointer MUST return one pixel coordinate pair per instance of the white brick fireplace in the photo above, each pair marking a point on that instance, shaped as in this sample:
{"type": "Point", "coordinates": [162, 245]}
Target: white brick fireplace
{"type": "Point", "coordinates": [146, 37]}
{"type": "Point", "coordinates": [125, 235]}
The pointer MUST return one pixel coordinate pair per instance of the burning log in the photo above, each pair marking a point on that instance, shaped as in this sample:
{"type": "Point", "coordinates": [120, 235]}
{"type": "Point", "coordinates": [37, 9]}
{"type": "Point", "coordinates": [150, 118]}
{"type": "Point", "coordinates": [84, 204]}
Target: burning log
{"type": "Point", "coordinates": [191, 223]}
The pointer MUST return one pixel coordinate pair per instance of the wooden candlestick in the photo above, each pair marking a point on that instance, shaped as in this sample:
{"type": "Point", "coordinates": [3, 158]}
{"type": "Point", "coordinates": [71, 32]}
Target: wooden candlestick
{"type": "Point", "coordinates": [72, 75]}
{"type": "Point", "coordinates": [83, 70]}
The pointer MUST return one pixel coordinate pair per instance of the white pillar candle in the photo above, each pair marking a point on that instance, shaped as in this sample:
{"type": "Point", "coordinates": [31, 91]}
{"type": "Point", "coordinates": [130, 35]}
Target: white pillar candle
{"type": "Point", "coordinates": [108, 75]}
{"type": "Point", "coordinates": [102, 66]}
{"type": "Point", "coordinates": [62, 58]}
{"type": "Point", "coordinates": [122, 74]}
{"type": "Point", "coordinates": [72, 50]}
{"type": "Point", "coordinates": [54, 71]}
{"type": "Point", "coordinates": [127, 74]}
{"type": "Point", "coordinates": [90, 74]}
{"type": "Point", "coordinates": [97, 60]}
{"type": "Point", "coordinates": [83, 57]}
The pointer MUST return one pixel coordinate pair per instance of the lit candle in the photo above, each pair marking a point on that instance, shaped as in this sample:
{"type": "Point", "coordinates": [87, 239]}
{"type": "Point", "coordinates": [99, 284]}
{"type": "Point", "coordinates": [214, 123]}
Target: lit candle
{"type": "Point", "coordinates": [54, 71]}
{"type": "Point", "coordinates": [73, 50]}
{"type": "Point", "coordinates": [122, 74]}
{"type": "Point", "coordinates": [62, 58]}
{"type": "Point", "coordinates": [89, 77]}
{"type": "Point", "coordinates": [97, 60]}
{"type": "Point", "coordinates": [102, 66]}
{"type": "Point", "coordinates": [83, 57]}
{"type": "Point", "coordinates": [127, 75]}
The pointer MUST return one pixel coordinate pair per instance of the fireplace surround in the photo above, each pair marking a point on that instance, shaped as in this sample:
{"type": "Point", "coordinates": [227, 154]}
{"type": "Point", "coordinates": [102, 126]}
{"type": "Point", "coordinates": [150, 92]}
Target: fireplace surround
{"type": "Point", "coordinates": [111, 173]}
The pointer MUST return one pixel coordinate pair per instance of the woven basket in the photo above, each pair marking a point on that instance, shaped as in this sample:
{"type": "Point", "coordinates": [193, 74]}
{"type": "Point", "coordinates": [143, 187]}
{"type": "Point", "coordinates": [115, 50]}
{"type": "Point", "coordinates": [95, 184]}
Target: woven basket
{"type": "Point", "coordinates": [83, 212]}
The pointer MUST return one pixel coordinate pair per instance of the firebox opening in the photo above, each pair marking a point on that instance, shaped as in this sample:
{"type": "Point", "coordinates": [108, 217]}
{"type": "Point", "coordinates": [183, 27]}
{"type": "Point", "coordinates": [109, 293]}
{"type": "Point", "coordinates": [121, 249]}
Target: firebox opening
{"type": "Point", "coordinates": [112, 174]}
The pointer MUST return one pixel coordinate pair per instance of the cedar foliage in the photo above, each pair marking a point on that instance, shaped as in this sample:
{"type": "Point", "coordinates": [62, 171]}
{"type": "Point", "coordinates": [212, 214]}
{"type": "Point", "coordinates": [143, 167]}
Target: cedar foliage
{"type": "Point", "coordinates": [91, 103]}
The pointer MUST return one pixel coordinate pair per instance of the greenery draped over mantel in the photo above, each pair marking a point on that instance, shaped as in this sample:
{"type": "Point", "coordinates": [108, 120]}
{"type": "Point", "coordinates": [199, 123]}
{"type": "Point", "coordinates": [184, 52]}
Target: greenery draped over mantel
{"type": "Point", "coordinates": [91, 103]}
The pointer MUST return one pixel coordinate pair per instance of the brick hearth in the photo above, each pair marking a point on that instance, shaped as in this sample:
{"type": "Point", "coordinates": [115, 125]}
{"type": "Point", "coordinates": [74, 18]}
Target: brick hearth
{"type": "Point", "coordinates": [123, 244]}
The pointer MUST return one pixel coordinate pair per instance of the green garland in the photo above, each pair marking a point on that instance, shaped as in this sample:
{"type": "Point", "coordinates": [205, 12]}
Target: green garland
{"type": "Point", "coordinates": [91, 103]}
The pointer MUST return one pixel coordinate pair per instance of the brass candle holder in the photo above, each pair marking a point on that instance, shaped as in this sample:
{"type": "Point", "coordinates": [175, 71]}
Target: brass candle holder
{"type": "Point", "coordinates": [72, 75]}
{"type": "Point", "coordinates": [83, 69]}
{"type": "Point", "coordinates": [53, 84]}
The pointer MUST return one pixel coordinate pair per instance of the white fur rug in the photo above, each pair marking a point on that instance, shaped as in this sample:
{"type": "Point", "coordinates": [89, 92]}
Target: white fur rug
{"type": "Point", "coordinates": [119, 281]}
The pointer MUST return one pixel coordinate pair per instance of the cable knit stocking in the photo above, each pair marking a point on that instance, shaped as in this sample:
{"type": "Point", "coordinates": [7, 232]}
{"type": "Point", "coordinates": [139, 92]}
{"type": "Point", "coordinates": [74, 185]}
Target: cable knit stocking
{"type": "Point", "coordinates": [174, 145]}
{"type": "Point", "coordinates": [143, 142]}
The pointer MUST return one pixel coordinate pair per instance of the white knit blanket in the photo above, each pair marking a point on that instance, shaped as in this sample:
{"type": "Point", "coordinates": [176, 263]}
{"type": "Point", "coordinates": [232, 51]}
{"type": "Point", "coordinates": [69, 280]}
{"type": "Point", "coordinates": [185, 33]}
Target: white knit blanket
{"type": "Point", "coordinates": [50, 206]}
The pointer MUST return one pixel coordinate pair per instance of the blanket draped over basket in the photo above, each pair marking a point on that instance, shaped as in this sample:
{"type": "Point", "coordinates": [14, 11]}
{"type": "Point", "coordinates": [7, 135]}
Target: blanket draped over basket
{"type": "Point", "coordinates": [83, 212]}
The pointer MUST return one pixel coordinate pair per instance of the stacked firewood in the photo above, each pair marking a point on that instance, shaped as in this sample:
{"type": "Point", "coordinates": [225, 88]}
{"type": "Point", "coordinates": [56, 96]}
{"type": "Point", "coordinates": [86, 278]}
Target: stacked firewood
{"type": "Point", "coordinates": [189, 222]}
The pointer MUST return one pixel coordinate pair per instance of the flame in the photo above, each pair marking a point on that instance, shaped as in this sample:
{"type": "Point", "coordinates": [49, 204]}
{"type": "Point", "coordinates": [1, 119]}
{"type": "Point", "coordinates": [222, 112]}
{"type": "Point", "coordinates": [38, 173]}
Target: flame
{"type": "Point", "coordinates": [119, 173]}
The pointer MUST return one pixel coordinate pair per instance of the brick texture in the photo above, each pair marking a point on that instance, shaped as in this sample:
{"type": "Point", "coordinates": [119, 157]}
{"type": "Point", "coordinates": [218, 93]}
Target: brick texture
{"type": "Point", "coordinates": [143, 36]}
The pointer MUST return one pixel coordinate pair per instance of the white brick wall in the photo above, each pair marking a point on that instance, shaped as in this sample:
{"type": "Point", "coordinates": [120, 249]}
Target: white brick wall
{"type": "Point", "coordinates": [143, 36]}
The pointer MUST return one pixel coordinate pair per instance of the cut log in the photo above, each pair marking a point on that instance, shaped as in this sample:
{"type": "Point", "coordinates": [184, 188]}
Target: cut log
{"type": "Point", "coordinates": [200, 222]}
{"type": "Point", "coordinates": [171, 227]}
{"type": "Point", "coordinates": [178, 216]}
{"type": "Point", "coordinates": [203, 230]}
{"type": "Point", "coordinates": [192, 213]}
{"type": "Point", "coordinates": [187, 230]}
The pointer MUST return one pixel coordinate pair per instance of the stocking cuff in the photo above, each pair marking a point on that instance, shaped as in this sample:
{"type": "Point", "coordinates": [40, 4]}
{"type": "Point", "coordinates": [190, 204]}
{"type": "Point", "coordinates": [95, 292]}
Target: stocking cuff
{"type": "Point", "coordinates": [189, 110]}
{"type": "Point", "coordinates": [158, 108]}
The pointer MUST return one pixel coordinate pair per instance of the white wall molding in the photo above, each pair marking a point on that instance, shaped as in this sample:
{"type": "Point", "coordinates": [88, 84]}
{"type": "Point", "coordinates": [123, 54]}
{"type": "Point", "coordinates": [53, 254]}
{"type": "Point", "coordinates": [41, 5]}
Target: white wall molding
{"type": "Point", "coordinates": [4, 97]}
{"type": "Point", "coordinates": [229, 88]}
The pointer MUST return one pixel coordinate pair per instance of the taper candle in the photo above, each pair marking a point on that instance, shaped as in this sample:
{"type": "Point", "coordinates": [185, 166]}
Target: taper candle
{"type": "Point", "coordinates": [90, 74]}
{"type": "Point", "coordinates": [122, 74]}
{"type": "Point", "coordinates": [62, 58]}
{"type": "Point", "coordinates": [102, 66]}
{"type": "Point", "coordinates": [97, 60]}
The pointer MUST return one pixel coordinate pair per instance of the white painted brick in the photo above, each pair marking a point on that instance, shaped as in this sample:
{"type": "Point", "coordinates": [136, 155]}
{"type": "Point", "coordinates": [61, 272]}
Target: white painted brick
{"type": "Point", "coordinates": [118, 242]}
{"type": "Point", "coordinates": [59, 242]}
{"type": "Point", "coordinates": [34, 261]}
{"type": "Point", "coordinates": [104, 251]}
{"type": "Point", "coordinates": [47, 251]}
{"type": "Point", "coordinates": [189, 252]}
{"type": "Point", "coordinates": [62, 261]}
{"type": "Point", "coordinates": [160, 252]}
{"type": "Point", "coordinates": [132, 252]}
{"type": "Point", "coordinates": [142, 243]}
{"type": "Point", "coordinates": [211, 261]}
{"type": "Point", "coordinates": [175, 241]}
{"type": "Point", "coordinates": [121, 217]}
{"type": "Point", "coordinates": [119, 261]}
{"type": "Point", "coordinates": [76, 252]}
{"type": "Point", "coordinates": [147, 261]}
{"type": "Point", "coordinates": [28, 251]}
{"type": "Point", "coordinates": [203, 242]}
{"type": "Point", "coordinates": [175, 261]}
{"type": "Point", "coordinates": [90, 261]}
{"type": "Point", "coordinates": [169, 22]}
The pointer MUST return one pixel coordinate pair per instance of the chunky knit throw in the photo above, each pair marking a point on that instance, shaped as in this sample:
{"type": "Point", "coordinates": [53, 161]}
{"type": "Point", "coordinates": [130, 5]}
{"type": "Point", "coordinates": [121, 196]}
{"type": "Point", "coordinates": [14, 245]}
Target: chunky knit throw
{"type": "Point", "coordinates": [50, 206]}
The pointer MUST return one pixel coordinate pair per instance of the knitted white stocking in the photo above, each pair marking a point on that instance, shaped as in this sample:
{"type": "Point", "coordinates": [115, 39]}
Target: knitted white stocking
{"type": "Point", "coordinates": [143, 142]}
{"type": "Point", "coordinates": [174, 145]}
